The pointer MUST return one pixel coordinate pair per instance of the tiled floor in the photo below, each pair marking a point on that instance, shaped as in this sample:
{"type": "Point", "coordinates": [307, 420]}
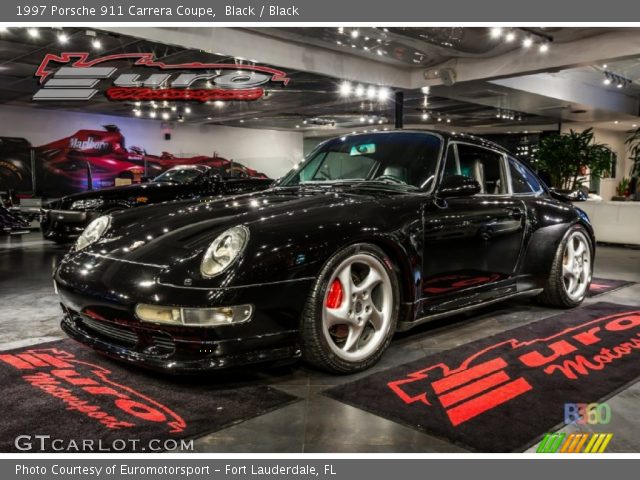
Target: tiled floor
{"type": "Point", "coordinates": [29, 314]}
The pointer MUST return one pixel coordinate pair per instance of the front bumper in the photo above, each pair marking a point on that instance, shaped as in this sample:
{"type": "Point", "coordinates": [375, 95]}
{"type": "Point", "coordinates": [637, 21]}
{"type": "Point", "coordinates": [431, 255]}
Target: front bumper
{"type": "Point", "coordinates": [99, 305]}
{"type": "Point", "coordinates": [64, 225]}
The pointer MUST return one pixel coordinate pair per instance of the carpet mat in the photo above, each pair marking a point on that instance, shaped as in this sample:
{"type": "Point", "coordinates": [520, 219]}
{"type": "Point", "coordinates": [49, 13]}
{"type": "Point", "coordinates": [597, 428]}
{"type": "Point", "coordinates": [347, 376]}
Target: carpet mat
{"type": "Point", "coordinates": [71, 394]}
{"type": "Point", "coordinates": [503, 393]}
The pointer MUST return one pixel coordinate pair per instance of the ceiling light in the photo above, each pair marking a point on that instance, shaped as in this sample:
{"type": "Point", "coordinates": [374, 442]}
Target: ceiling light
{"type": "Point", "coordinates": [187, 109]}
{"type": "Point", "coordinates": [3, 29]}
{"type": "Point", "coordinates": [63, 38]}
{"type": "Point", "coordinates": [33, 32]}
{"type": "Point", "coordinates": [510, 37]}
{"type": "Point", "coordinates": [607, 81]}
{"type": "Point", "coordinates": [355, 33]}
{"type": "Point", "coordinates": [604, 66]}
{"type": "Point", "coordinates": [174, 108]}
{"type": "Point", "coordinates": [371, 120]}
{"type": "Point", "coordinates": [165, 115]}
{"type": "Point", "coordinates": [380, 122]}
{"type": "Point", "coordinates": [297, 126]}
{"type": "Point", "coordinates": [448, 120]}
{"type": "Point", "coordinates": [359, 90]}
{"type": "Point", "coordinates": [383, 94]}
{"type": "Point", "coordinates": [96, 44]}
{"type": "Point", "coordinates": [426, 89]}
{"type": "Point", "coordinates": [617, 122]}
{"type": "Point", "coordinates": [362, 119]}
{"type": "Point", "coordinates": [345, 89]}
{"type": "Point", "coordinates": [340, 29]}
{"type": "Point", "coordinates": [527, 42]}
{"type": "Point", "coordinates": [380, 52]}
{"type": "Point", "coordinates": [209, 118]}
{"type": "Point", "coordinates": [635, 125]}
{"type": "Point", "coordinates": [137, 112]}
{"type": "Point", "coordinates": [439, 119]}
{"type": "Point", "coordinates": [219, 103]}
{"type": "Point", "coordinates": [496, 32]}
{"type": "Point", "coordinates": [371, 92]}
{"type": "Point", "coordinates": [544, 48]}
{"type": "Point", "coordinates": [425, 116]}
{"type": "Point", "coordinates": [152, 114]}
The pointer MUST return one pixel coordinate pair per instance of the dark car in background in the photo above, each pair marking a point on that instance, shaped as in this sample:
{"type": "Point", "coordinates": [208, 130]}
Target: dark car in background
{"type": "Point", "coordinates": [64, 219]}
{"type": "Point", "coordinates": [371, 234]}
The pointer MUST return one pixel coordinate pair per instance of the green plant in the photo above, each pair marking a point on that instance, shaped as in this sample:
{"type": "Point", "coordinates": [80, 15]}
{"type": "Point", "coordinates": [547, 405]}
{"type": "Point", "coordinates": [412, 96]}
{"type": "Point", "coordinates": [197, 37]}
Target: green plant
{"type": "Point", "coordinates": [633, 143]}
{"type": "Point", "coordinates": [566, 157]}
{"type": "Point", "coordinates": [623, 187]}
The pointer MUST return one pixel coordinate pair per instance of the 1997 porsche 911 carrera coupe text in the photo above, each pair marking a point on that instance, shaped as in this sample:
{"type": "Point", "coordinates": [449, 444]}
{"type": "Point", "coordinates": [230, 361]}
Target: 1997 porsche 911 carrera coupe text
{"type": "Point", "coordinates": [372, 234]}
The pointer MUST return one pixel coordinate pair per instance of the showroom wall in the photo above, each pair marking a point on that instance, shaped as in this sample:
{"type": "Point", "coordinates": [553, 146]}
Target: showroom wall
{"type": "Point", "coordinates": [269, 151]}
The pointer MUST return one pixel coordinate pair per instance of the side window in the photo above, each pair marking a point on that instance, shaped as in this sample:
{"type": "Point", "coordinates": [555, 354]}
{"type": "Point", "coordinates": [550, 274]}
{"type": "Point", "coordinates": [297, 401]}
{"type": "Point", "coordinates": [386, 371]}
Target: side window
{"type": "Point", "coordinates": [451, 164]}
{"type": "Point", "coordinates": [485, 166]}
{"type": "Point", "coordinates": [522, 180]}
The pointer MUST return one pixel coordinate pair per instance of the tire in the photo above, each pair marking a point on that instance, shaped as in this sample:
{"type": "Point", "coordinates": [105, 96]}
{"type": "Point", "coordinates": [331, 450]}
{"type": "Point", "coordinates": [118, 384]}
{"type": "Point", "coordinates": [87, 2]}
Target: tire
{"type": "Point", "coordinates": [558, 291]}
{"type": "Point", "coordinates": [348, 332]}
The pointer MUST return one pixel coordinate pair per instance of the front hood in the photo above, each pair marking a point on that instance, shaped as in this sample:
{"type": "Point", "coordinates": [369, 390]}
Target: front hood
{"type": "Point", "coordinates": [124, 192]}
{"type": "Point", "coordinates": [178, 231]}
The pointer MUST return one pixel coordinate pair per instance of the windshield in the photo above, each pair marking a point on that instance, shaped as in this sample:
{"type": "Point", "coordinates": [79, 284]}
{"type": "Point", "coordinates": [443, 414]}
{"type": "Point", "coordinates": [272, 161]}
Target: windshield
{"type": "Point", "coordinates": [404, 159]}
{"type": "Point", "coordinates": [179, 175]}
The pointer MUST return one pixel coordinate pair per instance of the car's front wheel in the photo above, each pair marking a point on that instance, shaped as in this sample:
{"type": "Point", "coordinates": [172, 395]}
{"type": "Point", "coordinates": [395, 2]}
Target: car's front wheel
{"type": "Point", "coordinates": [570, 276]}
{"type": "Point", "coordinates": [352, 311]}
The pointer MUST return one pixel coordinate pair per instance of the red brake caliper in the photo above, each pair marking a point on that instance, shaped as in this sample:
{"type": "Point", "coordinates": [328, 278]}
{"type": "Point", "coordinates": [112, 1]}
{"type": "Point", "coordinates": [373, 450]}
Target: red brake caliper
{"type": "Point", "coordinates": [336, 294]}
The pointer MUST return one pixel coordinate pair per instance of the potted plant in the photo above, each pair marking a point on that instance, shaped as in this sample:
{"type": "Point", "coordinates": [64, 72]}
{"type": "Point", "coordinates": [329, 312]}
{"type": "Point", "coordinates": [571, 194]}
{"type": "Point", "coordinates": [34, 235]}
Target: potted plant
{"type": "Point", "coordinates": [622, 190]}
{"type": "Point", "coordinates": [633, 143]}
{"type": "Point", "coordinates": [568, 157]}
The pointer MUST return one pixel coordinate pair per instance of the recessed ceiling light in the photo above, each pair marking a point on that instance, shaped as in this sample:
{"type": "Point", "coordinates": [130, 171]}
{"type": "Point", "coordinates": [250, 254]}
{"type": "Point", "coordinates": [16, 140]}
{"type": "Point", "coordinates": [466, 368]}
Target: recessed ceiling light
{"type": "Point", "coordinates": [3, 29]}
{"type": "Point", "coordinates": [152, 114]}
{"type": "Point", "coordinates": [165, 115]}
{"type": "Point", "coordinates": [96, 44]}
{"type": "Point", "coordinates": [544, 48]}
{"type": "Point", "coordinates": [355, 33]}
{"type": "Point", "coordinates": [616, 122]}
{"type": "Point", "coordinates": [635, 125]}
{"type": "Point", "coordinates": [510, 37]}
{"type": "Point", "coordinates": [527, 42]}
{"type": "Point", "coordinates": [33, 32]}
{"type": "Point", "coordinates": [345, 88]}
{"type": "Point", "coordinates": [496, 32]}
{"type": "Point", "coordinates": [241, 121]}
{"type": "Point", "coordinates": [63, 38]}
{"type": "Point", "coordinates": [187, 109]}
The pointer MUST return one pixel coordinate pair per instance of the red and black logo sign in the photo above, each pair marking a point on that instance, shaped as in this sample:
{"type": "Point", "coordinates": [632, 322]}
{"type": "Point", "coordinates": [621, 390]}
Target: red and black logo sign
{"type": "Point", "coordinates": [73, 76]}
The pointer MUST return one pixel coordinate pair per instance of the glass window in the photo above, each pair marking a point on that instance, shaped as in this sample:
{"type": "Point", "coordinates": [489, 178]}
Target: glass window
{"type": "Point", "coordinates": [408, 159]}
{"type": "Point", "coordinates": [485, 166]}
{"type": "Point", "coordinates": [522, 180]}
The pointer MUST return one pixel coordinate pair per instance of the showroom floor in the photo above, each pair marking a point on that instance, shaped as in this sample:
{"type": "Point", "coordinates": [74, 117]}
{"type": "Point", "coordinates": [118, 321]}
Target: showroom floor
{"type": "Point", "coordinates": [29, 314]}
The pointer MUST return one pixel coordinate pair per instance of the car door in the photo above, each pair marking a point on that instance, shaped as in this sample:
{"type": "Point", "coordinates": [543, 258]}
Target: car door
{"type": "Point", "coordinates": [472, 243]}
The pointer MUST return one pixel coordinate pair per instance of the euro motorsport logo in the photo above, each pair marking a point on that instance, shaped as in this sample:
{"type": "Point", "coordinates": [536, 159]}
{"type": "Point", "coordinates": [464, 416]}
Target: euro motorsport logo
{"type": "Point", "coordinates": [72, 76]}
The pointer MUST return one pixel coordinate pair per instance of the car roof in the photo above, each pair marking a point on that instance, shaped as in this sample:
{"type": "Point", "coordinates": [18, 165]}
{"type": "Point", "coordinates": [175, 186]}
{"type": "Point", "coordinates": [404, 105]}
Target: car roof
{"type": "Point", "coordinates": [450, 136]}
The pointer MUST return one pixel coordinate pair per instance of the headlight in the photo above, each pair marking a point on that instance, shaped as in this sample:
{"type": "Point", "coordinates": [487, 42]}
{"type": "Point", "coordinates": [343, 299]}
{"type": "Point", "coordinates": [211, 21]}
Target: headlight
{"type": "Point", "coordinates": [87, 204]}
{"type": "Point", "coordinates": [223, 251]}
{"type": "Point", "coordinates": [93, 232]}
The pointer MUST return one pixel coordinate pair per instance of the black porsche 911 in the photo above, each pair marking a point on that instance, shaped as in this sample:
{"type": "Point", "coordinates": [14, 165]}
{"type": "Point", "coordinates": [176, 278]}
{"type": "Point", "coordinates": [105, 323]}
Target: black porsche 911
{"type": "Point", "coordinates": [371, 234]}
{"type": "Point", "coordinates": [63, 220]}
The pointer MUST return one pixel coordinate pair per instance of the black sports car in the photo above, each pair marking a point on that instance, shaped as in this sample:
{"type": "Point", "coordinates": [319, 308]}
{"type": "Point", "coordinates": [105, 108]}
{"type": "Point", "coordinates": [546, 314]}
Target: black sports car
{"type": "Point", "coordinates": [64, 220]}
{"type": "Point", "coordinates": [371, 234]}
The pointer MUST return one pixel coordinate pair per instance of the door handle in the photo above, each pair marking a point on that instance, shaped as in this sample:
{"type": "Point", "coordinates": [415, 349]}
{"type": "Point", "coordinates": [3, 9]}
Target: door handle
{"type": "Point", "coordinates": [517, 213]}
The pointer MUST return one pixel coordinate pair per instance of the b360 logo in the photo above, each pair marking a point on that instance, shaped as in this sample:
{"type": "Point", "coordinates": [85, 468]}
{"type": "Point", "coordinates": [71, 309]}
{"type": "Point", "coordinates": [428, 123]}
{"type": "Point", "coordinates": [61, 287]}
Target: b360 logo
{"type": "Point", "coordinates": [587, 413]}
{"type": "Point", "coordinates": [77, 78]}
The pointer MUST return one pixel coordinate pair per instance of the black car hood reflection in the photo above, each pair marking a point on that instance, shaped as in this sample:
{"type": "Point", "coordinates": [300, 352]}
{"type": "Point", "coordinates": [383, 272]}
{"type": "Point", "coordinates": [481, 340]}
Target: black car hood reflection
{"type": "Point", "coordinates": [174, 232]}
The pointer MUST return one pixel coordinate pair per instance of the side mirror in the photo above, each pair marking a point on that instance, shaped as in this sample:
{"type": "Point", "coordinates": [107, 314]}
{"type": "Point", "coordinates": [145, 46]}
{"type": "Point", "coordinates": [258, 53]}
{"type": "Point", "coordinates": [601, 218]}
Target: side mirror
{"type": "Point", "coordinates": [458, 186]}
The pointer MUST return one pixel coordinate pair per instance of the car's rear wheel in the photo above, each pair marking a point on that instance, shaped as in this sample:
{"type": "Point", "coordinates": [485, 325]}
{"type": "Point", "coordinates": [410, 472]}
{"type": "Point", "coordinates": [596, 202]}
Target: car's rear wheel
{"type": "Point", "coordinates": [571, 272]}
{"type": "Point", "coordinates": [352, 311]}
